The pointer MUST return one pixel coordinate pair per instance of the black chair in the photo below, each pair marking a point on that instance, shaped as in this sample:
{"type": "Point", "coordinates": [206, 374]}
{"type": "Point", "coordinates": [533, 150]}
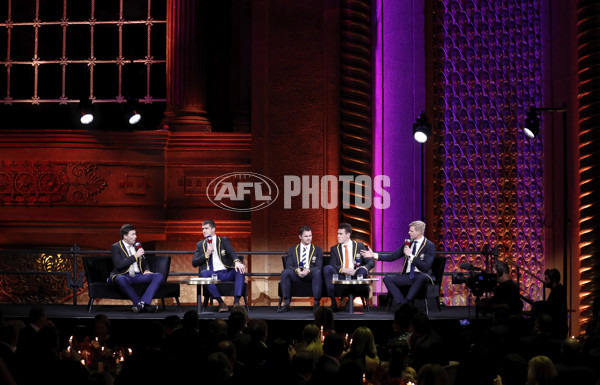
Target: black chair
{"type": "Point", "coordinates": [97, 272]}
{"type": "Point", "coordinates": [299, 289]}
{"type": "Point", "coordinates": [430, 290]}
{"type": "Point", "coordinates": [226, 289]}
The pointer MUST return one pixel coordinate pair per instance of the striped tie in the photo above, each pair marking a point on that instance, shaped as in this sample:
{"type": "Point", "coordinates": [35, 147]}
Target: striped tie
{"type": "Point", "coordinates": [303, 259]}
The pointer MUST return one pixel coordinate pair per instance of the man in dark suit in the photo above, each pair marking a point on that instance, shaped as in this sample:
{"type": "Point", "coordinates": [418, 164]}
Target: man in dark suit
{"type": "Point", "coordinates": [215, 255]}
{"type": "Point", "coordinates": [304, 263]}
{"type": "Point", "coordinates": [132, 268]}
{"type": "Point", "coordinates": [345, 259]}
{"type": "Point", "coordinates": [418, 257]}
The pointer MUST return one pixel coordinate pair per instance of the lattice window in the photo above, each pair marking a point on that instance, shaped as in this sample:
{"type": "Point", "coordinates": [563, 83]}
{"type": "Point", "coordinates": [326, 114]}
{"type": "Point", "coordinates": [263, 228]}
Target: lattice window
{"type": "Point", "coordinates": [58, 52]}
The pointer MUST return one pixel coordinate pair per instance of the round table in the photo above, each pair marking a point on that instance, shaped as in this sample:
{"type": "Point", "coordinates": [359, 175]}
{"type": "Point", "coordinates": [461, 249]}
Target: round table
{"type": "Point", "coordinates": [365, 281]}
{"type": "Point", "coordinates": [199, 281]}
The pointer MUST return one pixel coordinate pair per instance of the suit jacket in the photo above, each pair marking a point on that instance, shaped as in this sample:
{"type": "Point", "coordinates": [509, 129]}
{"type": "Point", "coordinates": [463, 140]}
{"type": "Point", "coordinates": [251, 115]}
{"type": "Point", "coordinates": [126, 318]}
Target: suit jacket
{"type": "Point", "coordinates": [315, 258]}
{"type": "Point", "coordinates": [122, 261]}
{"type": "Point", "coordinates": [337, 256]}
{"type": "Point", "coordinates": [423, 258]}
{"type": "Point", "coordinates": [224, 249]}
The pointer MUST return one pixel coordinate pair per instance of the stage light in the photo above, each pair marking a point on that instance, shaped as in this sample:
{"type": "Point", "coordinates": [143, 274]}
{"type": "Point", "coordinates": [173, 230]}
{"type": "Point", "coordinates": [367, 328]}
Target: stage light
{"type": "Point", "coordinates": [421, 129]}
{"type": "Point", "coordinates": [86, 111]}
{"type": "Point", "coordinates": [532, 123]}
{"type": "Point", "coordinates": [132, 112]}
{"type": "Point", "coordinates": [134, 117]}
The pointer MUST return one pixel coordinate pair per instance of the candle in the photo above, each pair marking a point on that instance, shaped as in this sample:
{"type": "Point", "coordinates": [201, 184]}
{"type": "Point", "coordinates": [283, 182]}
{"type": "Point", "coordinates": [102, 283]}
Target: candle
{"type": "Point", "coordinates": [129, 351]}
{"type": "Point", "coordinates": [68, 349]}
{"type": "Point", "coordinates": [71, 341]}
{"type": "Point", "coordinates": [82, 362]}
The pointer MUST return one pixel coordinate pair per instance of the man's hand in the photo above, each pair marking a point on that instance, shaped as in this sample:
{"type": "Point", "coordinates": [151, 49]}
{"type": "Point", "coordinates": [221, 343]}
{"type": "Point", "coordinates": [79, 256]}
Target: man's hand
{"type": "Point", "coordinates": [368, 253]}
{"type": "Point", "coordinates": [148, 272]}
{"type": "Point", "coordinates": [348, 271]}
{"type": "Point", "coordinates": [209, 250]}
{"type": "Point", "coordinates": [407, 251]}
{"type": "Point", "coordinates": [240, 267]}
{"type": "Point", "coordinates": [302, 273]}
{"type": "Point", "coordinates": [139, 252]}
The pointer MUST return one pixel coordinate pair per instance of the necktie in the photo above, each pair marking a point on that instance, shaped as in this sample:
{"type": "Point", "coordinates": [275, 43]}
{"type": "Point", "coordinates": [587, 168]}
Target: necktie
{"type": "Point", "coordinates": [346, 257]}
{"type": "Point", "coordinates": [411, 275]}
{"type": "Point", "coordinates": [303, 259]}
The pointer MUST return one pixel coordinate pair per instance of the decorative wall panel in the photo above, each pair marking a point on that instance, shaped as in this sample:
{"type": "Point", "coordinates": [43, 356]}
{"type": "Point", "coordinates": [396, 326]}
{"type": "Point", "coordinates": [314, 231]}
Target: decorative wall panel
{"type": "Point", "coordinates": [488, 177]}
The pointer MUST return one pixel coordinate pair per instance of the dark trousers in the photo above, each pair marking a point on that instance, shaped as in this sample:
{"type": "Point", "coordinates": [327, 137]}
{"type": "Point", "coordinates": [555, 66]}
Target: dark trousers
{"type": "Point", "coordinates": [228, 275]}
{"type": "Point", "coordinates": [289, 276]}
{"type": "Point", "coordinates": [329, 271]}
{"type": "Point", "coordinates": [395, 284]}
{"type": "Point", "coordinates": [126, 283]}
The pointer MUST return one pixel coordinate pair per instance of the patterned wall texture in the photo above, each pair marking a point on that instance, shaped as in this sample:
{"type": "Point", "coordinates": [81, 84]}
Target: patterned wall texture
{"type": "Point", "coordinates": [488, 177]}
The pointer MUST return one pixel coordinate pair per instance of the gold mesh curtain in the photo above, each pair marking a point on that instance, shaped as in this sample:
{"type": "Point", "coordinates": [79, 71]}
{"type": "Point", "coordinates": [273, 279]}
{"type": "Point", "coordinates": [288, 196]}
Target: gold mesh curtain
{"type": "Point", "coordinates": [58, 52]}
{"type": "Point", "coordinates": [488, 179]}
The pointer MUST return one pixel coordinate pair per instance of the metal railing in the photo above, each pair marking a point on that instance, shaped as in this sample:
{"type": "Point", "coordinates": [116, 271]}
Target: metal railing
{"type": "Point", "coordinates": [74, 278]}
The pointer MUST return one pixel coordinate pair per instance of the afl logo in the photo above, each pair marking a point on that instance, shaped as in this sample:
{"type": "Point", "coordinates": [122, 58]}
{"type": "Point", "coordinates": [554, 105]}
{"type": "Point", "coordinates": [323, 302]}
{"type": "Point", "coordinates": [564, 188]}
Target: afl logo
{"type": "Point", "coordinates": [242, 191]}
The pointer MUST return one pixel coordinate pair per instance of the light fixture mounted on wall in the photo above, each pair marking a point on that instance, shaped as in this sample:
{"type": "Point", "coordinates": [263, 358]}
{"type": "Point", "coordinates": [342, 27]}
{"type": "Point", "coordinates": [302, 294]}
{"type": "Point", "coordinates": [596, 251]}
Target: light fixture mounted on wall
{"type": "Point", "coordinates": [86, 111]}
{"type": "Point", "coordinates": [421, 129]}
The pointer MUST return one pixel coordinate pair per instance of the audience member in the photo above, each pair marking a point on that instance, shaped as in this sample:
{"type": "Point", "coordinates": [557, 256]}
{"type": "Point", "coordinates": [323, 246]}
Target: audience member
{"type": "Point", "coordinates": [512, 371]}
{"type": "Point", "coordinates": [570, 369]}
{"type": "Point", "coordinates": [311, 342]}
{"type": "Point", "coordinates": [432, 374]}
{"type": "Point", "coordinates": [541, 371]}
{"type": "Point", "coordinates": [363, 350]}
{"type": "Point", "coordinates": [324, 319]}
{"type": "Point", "coordinates": [328, 365]}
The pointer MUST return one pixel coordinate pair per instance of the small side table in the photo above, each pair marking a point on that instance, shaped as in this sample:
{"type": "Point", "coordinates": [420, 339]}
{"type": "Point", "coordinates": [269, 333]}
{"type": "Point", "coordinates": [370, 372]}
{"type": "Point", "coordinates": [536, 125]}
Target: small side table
{"type": "Point", "coordinates": [199, 281]}
{"type": "Point", "coordinates": [366, 281]}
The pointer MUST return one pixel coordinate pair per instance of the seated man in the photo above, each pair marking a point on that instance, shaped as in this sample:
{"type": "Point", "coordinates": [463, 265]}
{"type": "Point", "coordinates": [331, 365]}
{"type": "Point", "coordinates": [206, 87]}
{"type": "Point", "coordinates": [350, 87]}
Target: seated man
{"type": "Point", "coordinates": [418, 258]}
{"type": "Point", "coordinates": [131, 268]}
{"type": "Point", "coordinates": [215, 255]}
{"type": "Point", "coordinates": [345, 259]}
{"type": "Point", "coordinates": [506, 294]}
{"type": "Point", "coordinates": [303, 264]}
{"type": "Point", "coordinates": [555, 305]}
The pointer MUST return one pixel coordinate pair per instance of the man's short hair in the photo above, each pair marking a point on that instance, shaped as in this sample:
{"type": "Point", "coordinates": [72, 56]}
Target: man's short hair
{"type": "Point", "coordinates": [418, 225]}
{"type": "Point", "coordinates": [347, 227]}
{"type": "Point", "coordinates": [125, 229]}
{"type": "Point", "coordinates": [553, 275]}
{"type": "Point", "coordinates": [210, 222]}
{"type": "Point", "coordinates": [501, 268]}
{"type": "Point", "coordinates": [303, 229]}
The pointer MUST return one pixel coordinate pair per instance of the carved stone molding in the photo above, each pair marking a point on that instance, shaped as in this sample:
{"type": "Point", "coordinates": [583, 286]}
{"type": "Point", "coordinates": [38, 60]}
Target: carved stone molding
{"type": "Point", "coordinates": [49, 183]}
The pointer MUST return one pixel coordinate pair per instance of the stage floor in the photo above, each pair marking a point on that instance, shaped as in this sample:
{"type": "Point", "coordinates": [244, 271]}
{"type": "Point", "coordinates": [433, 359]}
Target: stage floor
{"type": "Point", "coordinates": [298, 313]}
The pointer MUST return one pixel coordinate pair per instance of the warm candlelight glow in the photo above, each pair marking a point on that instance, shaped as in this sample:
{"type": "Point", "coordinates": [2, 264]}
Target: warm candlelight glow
{"type": "Point", "coordinates": [129, 351]}
{"type": "Point", "coordinates": [82, 362]}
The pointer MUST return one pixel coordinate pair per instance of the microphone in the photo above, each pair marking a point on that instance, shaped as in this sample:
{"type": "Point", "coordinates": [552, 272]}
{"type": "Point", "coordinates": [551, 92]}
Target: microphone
{"type": "Point", "coordinates": [209, 239]}
{"type": "Point", "coordinates": [137, 246]}
{"type": "Point", "coordinates": [407, 242]}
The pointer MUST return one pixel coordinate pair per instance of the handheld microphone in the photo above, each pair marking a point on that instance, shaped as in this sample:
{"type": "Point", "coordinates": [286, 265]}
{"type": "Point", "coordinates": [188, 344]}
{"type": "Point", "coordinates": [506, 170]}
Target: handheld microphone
{"type": "Point", "coordinates": [407, 242]}
{"type": "Point", "coordinates": [137, 246]}
{"type": "Point", "coordinates": [209, 239]}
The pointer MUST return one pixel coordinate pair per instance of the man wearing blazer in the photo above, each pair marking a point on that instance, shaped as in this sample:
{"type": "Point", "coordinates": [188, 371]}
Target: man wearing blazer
{"type": "Point", "coordinates": [131, 268]}
{"type": "Point", "coordinates": [215, 255]}
{"type": "Point", "coordinates": [304, 263]}
{"type": "Point", "coordinates": [418, 258]}
{"type": "Point", "coordinates": [345, 260]}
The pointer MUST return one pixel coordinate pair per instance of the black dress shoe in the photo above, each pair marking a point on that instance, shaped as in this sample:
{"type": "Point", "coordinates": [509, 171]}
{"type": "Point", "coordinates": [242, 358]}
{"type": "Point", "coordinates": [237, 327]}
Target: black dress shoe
{"type": "Point", "coordinates": [138, 308]}
{"type": "Point", "coordinates": [284, 309]}
{"type": "Point", "coordinates": [151, 308]}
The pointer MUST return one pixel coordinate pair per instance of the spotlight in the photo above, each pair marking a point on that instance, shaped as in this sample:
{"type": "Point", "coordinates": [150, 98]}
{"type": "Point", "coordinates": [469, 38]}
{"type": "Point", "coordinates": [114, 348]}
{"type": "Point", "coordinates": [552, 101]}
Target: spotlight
{"type": "Point", "coordinates": [86, 111]}
{"type": "Point", "coordinates": [532, 123]}
{"type": "Point", "coordinates": [132, 112]}
{"type": "Point", "coordinates": [134, 117]}
{"type": "Point", "coordinates": [421, 129]}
